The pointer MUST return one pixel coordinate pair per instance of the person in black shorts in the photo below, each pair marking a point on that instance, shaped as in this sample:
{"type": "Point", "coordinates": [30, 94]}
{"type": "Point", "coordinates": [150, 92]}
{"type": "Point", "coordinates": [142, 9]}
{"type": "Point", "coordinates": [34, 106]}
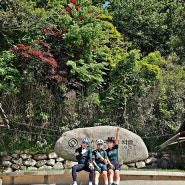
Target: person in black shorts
{"type": "Point", "coordinates": [113, 163]}
{"type": "Point", "coordinates": [84, 158]}
{"type": "Point", "coordinates": [100, 162]}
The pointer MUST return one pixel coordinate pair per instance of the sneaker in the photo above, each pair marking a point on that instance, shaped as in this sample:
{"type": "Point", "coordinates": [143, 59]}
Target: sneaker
{"type": "Point", "coordinates": [90, 183]}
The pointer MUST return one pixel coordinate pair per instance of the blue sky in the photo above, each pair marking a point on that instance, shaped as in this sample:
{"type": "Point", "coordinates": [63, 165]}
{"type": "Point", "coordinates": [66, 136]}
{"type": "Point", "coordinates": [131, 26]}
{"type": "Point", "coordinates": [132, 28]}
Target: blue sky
{"type": "Point", "coordinates": [105, 4]}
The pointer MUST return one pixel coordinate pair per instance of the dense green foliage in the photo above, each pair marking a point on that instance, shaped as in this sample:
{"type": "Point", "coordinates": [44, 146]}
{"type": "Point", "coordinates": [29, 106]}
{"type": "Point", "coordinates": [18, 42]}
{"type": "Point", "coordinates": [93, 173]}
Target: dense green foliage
{"type": "Point", "coordinates": [150, 24]}
{"type": "Point", "coordinates": [63, 65]}
{"type": "Point", "coordinates": [9, 75]}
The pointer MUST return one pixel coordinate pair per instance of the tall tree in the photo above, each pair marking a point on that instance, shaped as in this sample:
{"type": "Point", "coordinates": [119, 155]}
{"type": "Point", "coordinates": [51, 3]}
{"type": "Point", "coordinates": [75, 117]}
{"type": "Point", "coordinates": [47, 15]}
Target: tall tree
{"type": "Point", "coordinates": [71, 45]}
{"type": "Point", "coordinates": [147, 23]}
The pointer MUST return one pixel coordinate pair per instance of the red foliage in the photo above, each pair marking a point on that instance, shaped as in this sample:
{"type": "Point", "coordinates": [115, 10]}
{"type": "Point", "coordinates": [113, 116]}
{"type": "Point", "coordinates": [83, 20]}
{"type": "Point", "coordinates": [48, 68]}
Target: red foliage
{"type": "Point", "coordinates": [81, 18]}
{"type": "Point", "coordinates": [69, 10]}
{"type": "Point", "coordinates": [41, 56]}
{"type": "Point", "coordinates": [45, 57]}
{"type": "Point", "coordinates": [73, 2]}
{"type": "Point", "coordinates": [42, 43]}
{"type": "Point", "coordinates": [36, 53]}
{"type": "Point", "coordinates": [93, 48]}
{"type": "Point", "coordinates": [77, 7]}
{"type": "Point", "coordinates": [55, 73]}
{"type": "Point", "coordinates": [57, 34]}
{"type": "Point", "coordinates": [50, 60]}
{"type": "Point", "coordinates": [21, 50]}
{"type": "Point", "coordinates": [14, 50]}
{"type": "Point", "coordinates": [21, 47]}
{"type": "Point", "coordinates": [24, 54]}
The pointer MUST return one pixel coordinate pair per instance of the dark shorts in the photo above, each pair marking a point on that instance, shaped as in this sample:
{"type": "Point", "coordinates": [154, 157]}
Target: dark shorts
{"type": "Point", "coordinates": [116, 165]}
{"type": "Point", "coordinates": [103, 167]}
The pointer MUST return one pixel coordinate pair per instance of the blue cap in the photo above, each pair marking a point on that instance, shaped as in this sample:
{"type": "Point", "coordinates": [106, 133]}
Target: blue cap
{"type": "Point", "coordinates": [85, 142]}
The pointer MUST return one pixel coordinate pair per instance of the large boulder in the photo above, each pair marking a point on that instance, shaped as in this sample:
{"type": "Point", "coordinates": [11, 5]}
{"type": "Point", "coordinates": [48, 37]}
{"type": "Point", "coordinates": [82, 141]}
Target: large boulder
{"type": "Point", "coordinates": [131, 146]}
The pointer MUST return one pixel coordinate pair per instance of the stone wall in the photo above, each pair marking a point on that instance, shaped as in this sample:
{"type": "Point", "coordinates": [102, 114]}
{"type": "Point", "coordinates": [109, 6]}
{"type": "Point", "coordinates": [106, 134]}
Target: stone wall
{"type": "Point", "coordinates": [154, 161]}
{"type": "Point", "coordinates": [34, 161]}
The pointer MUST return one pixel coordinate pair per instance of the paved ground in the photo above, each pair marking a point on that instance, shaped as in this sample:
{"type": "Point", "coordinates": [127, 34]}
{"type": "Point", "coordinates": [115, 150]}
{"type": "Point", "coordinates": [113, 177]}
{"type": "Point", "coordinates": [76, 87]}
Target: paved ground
{"type": "Point", "coordinates": [144, 182]}
{"type": "Point", "coordinates": [140, 182]}
{"type": "Point", "coordinates": [64, 178]}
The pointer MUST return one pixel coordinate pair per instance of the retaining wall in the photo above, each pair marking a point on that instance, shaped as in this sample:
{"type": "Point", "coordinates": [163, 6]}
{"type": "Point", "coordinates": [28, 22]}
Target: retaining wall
{"type": "Point", "coordinates": [25, 160]}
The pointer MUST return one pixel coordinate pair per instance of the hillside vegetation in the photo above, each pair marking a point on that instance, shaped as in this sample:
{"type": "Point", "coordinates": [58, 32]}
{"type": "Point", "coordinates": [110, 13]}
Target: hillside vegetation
{"type": "Point", "coordinates": [68, 64]}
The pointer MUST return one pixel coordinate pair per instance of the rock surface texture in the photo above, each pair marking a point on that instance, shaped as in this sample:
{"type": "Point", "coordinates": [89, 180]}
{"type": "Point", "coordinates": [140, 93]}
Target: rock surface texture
{"type": "Point", "coordinates": [131, 146]}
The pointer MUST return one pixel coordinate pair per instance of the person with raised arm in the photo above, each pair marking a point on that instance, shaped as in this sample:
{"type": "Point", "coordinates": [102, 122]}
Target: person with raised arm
{"type": "Point", "coordinates": [113, 163]}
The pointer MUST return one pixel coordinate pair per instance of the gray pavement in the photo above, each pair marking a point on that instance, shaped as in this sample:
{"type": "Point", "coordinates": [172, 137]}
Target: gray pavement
{"type": "Point", "coordinates": [152, 182]}
{"type": "Point", "coordinates": [63, 177]}
{"type": "Point", "coordinates": [140, 182]}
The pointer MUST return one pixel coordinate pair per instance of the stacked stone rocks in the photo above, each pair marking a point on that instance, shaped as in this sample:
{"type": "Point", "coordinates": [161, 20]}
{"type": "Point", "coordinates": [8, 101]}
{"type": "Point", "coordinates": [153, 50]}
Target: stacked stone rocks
{"type": "Point", "coordinates": [32, 161]}
{"type": "Point", "coordinates": [154, 161]}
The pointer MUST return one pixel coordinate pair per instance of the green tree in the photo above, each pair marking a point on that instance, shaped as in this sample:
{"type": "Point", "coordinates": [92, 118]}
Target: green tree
{"type": "Point", "coordinates": [10, 77]}
{"type": "Point", "coordinates": [19, 21]}
{"type": "Point", "coordinates": [132, 90]}
{"type": "Point", "coordinates": [171, 101]}
{"type": "Point", "coordinates": [177, 39]}
{"type": "Point", "coordinates": [73, 46]}
{"type": "Point", "coordinates": [147, 23]}
{"type": "Point", "coordinates": [72, 55]}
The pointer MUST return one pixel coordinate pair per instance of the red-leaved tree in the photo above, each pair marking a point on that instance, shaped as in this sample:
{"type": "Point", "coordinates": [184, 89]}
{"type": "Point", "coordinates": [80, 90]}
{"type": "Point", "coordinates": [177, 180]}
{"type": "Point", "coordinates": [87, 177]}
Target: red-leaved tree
{"type": "Point", "coordinates": [72, 49]}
